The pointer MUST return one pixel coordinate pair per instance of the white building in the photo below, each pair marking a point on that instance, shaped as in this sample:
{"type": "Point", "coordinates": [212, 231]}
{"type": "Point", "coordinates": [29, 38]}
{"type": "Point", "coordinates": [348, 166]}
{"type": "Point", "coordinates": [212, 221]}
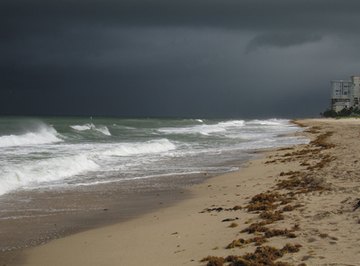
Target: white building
{"type": "Point", "coordinates": [355, 92]}
{"type": "Point", "coordinates": [345, 93]}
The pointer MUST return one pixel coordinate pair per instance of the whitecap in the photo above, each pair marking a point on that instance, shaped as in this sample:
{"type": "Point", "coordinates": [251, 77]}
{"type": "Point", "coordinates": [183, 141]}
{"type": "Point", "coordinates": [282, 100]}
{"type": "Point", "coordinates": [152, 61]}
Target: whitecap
{"type": "Point", "coordinates": [102, 129]}
{"type": "Point", "coordinates": [153, 146]}
{"type": "Point", "coordinates": [204, 129]}
{"type": "Point", "coordinates": [43, 135]}
{"type": "Point", "coordinates": [15, 176]}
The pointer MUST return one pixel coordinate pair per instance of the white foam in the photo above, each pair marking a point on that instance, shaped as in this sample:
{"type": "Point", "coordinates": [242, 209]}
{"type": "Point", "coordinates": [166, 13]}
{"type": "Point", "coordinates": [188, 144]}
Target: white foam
{"type": "Point", "coordinates": [204, 129]}
{"type": "Point", "coordinates": [82, 127]}
{"type": "Point", "coordinates": [41, 166]}
{"type": "Point", "coordinates": [43, 135]}
{"type": "Point", "coordinates": [15, 176]}
{"type": "Point", "coordinates": [137, 178]}
{"type": "Point", "coordinates": [269, 122]}
{"type": "Point", "coordinates": [153, 146]}
{"type": "Point", "coordinates": [102, 129]}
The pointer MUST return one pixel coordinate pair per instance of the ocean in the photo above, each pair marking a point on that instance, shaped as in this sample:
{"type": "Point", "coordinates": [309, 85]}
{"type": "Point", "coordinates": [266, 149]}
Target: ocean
{"type": "Point", "coordinates": [61, 175]}
{"type": "Point", "coordinates": [72, 152]}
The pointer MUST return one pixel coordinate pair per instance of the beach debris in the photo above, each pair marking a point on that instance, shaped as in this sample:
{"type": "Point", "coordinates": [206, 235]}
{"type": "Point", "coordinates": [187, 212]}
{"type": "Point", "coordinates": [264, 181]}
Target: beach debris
{"type": "Point", "coordinates": [178, 251]}
{"type": "Point", "coordinates": [288, 208]}
{"type": "Point", "coordinates": [220, 209]}
{"type": "Point", "coordinates": [266, 201]}
{"type": "Point", "coordinates": [295, 227]}
{"type": "Point", "coordinates": [357, 205]}
{"type": "Point", "coordinates": [268, 233]}
{"type": "Point", "coordinates": [323, 235]}
{"type": "Point", "coordinates": [272, 204]}
{"type": "Point", "coordinates": [258, 240]}
{"type": "Point", "coordinates": [233, 225]}
{"type": "Point", "coordinates": [321, 140]}
{"type": "Point", "coordinates": [271, 216]}
{"type": "Point", "coordinates": [213, 261]}
{"type": "Point", "coordinates": [230, 219]}
{"type": "Point", "coordinates": [262, 256]}
{"type": "Point", "coordinates": [303, 183]}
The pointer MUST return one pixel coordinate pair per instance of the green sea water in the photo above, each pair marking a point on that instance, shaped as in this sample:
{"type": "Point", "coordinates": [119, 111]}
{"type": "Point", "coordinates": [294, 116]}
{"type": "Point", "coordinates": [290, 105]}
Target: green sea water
{"type": "Point", "coordinates": [60, 152]}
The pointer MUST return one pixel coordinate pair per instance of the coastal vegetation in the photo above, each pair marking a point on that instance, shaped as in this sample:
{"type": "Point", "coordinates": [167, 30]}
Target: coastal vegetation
{"type": "Point", "coordinates": [345, 112]}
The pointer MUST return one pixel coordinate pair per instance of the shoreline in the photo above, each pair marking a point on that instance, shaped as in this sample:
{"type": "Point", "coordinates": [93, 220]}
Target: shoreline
{"type": "Point", "coordinates": [163, 201]}
{"type": "Point", "coordinates": [317, 220]}
{"type": "Point", "coordinates": [78, 212]}
{"type": "Point", "coordinates": [191, 193]}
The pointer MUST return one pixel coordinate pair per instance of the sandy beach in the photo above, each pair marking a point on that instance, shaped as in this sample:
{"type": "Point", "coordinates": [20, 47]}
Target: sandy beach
{"type": "Point", "coordinates": [291, 206]}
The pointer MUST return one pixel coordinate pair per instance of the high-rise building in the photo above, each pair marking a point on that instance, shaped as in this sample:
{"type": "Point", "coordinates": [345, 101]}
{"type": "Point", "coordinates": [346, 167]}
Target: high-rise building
{"type": "Point", "coordinates": [345, 93]}
{"type": "Point", "coordinates": [355, 91]}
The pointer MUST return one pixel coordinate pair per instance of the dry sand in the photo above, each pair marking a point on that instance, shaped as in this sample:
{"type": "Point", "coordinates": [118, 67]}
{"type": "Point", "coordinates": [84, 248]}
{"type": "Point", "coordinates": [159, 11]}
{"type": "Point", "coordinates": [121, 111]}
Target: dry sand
{"type": "Point", "coordinates": [315, 203]}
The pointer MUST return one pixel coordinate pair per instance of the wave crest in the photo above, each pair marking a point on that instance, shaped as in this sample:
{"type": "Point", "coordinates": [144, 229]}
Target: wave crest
{"type": "Point", "coordinates": [152, 146]}
{"type": "Point", "coordinates": [47, 170]}
{"type": "Point", "coordinates": [43, 135]}
{"type": "Point", "coordinates": [204, 129]}
{"type": "Point", "coordinates": [102, 129]}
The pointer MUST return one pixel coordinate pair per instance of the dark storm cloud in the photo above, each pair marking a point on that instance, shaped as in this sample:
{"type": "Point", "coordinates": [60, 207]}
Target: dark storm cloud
{"type": "Point", "coordinates": [162, 57]}
{"type": "Point", "coordinates": [281, 40]}
{"type": "Point", "coordinates": [43, 15]}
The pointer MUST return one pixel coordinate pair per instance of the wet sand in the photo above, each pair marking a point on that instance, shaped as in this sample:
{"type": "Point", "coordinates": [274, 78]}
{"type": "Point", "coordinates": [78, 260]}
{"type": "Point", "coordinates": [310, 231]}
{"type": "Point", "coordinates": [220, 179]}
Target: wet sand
{"type": "Point", "coordinates": [294, 205]}
{"type": "Point", "coordinates": [35, 217]}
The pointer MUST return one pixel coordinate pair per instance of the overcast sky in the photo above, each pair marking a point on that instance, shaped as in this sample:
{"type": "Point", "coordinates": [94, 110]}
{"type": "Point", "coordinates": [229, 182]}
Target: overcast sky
{"type": "Point", "coordinates": [194, 58]}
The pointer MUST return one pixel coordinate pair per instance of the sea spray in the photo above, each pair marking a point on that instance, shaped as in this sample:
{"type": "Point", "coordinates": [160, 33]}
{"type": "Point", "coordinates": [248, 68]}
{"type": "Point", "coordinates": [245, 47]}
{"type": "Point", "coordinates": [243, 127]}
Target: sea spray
{"type": "Point", "coordinates": [44, 134]}
{"type": "Point", "coordinates": [102, 129]}
{"type": "Point", "coordinates": [42, 171]}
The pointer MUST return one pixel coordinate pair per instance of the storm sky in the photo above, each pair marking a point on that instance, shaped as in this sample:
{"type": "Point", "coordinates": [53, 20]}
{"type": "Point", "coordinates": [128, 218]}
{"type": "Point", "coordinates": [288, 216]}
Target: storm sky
{"type": "Point", "coordinates": [183, 58]}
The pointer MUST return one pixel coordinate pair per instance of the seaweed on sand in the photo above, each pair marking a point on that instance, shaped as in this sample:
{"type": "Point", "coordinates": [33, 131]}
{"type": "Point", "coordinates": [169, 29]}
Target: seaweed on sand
{"type": "Point", "coordinates": [321, 140]}
{"type": "Point", "coordinates": [213, 261]}
{"type": "Point", "coordinates": [262, 256]}
{"type": "Point", "coordinates": [265, 201]}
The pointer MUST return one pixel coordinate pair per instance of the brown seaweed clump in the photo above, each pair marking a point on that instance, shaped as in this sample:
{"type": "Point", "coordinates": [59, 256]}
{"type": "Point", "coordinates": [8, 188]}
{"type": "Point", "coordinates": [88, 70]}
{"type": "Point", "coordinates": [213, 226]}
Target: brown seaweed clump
{"type": "Point", "coordinates": [302, 184]}
{"type": "Point", "coordinates": [279, 232]}
{"type": "Point", "coordinates": [265, 201]}
{"type": "Point", "coordinates": [271, 217]}
{"type": "Point", "coordinates": [268, 233]}
{"type": "Point", "coordinates": [233, 225]}
{"type": "Point", "coordinates": [258, 241]}
{"type": "Point", "coordinates": [255, 228]}
{"type": "Point", "coordinates": [325, 160]}
{"type": "Point", "coordinates": [262, 256]}
{"type": "Point", "coordinates": [288, 208]}
{"type": "Point", "coordinates": [321, 141]}
{"type": "Point", "coordinates": [220, 209]}
{"type": "Point", "coordinates": [214, 261]}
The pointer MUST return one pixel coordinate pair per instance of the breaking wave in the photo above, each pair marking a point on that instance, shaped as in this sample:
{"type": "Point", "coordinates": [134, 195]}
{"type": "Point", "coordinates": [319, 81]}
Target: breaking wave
{"type": "Point", "coordinates": [102, 129]}
{"type": "Point", "coordinates": [204, 129]}
{"type": "Point", "coordinates": [136, 148]}
{"type": "Point", "coordinates": [269, 122]}
{"type": "Point", "coordinates": [43, 135]}
{"type": "Point", "coordinates": [46, 170]}
{"type": "Point", "coordinates": [152, 146]}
